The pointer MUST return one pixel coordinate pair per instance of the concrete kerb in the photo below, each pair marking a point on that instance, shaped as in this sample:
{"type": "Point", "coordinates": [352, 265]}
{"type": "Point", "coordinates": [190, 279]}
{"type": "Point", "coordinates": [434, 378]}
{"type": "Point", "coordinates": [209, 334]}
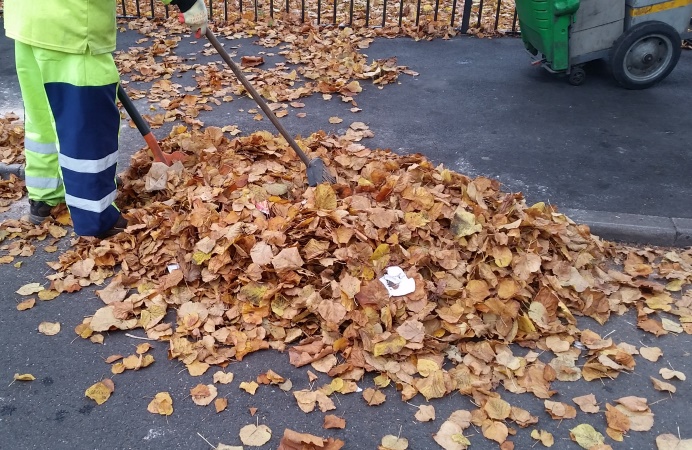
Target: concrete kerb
{"type": "Point", "coordinates": [619, 227]}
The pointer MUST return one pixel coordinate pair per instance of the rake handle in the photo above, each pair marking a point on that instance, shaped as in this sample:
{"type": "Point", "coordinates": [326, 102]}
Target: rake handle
{"type": "Point", "coordinates": [256, 96]}
{"type": "Point", "coordinates": [142, 126]}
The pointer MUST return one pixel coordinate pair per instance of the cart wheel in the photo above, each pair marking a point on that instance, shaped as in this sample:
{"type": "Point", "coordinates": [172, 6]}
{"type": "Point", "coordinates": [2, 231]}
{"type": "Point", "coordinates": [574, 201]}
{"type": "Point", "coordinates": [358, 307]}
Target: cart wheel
{"type": "Point", "coordinates": [645, 54]}
{"type": "Point", "coordinates": [577, 76]}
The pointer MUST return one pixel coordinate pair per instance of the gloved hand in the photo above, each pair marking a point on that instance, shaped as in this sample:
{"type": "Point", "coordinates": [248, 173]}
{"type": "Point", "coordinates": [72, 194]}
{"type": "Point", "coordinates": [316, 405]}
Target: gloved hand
{"type": "Point", "coordinates": [193, 15]}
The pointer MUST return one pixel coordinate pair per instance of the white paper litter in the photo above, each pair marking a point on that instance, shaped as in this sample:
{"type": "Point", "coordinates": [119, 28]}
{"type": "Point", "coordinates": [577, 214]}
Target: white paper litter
{"type": "Point", "coordinates": [397, 283]}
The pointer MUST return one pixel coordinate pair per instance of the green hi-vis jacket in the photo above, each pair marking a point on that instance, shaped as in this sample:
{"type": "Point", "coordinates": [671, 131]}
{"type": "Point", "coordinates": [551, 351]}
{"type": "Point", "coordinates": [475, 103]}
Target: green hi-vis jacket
{"type": "Point", "coordinates": [70, 26]}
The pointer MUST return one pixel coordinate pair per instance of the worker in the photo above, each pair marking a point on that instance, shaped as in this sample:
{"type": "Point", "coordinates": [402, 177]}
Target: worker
{"type": "Point", "coordinates": [68, 80]}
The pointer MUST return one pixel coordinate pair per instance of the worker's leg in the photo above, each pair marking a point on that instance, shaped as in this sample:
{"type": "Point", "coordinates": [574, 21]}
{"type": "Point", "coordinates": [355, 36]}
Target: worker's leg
{"type": "Point", "coordinates": [40, 142]}
{"type": "Point", "coordinates": [81, 91]}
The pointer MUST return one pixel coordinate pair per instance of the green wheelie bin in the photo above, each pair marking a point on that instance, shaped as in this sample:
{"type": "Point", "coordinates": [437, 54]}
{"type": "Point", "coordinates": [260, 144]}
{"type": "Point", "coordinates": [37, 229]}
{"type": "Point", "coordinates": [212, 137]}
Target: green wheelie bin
{"type": "Point", "coordinates": [640, 39]}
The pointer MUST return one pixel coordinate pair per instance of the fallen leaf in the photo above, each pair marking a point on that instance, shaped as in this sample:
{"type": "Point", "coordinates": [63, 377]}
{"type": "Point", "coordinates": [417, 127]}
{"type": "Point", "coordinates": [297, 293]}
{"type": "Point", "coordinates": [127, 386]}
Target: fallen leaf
{"type": "Point", "coordinates": [254, 435]}
{"type": "Point", "coordinates": [99, 392]}
{"type": "Point", "coordinates": [31, 288]}
{"type": "Point", "coordinates": [49, 328]}
{"type": "Point", "coordinates": [586, 436]}
{"type": "Point", "coordinates": [26, 304]}
{"type": "Point", "coordinates": [249, 387]}
{"type": "Point", "coordinates": [332, 421]}
{"type": "Point", "coordinates": [669, 374]}
{"type": "Point", "coordinates": [544, 437]}
{"type": "Point", "coordinates": [672, 442]}
{"type": "Point", "coordinates": [391, 442]}
{"type": "Point", "coordinates": [651, 353]}
{"type": "Point", "coordinates": [223, 377]}
{"type": "Point", "coordinates": [373, 397]}
{"type": "Point", "coordinates": [662, 385]}
{"type": "Point", "coordinates": [587, 403]}
{"type": "Point", "coordinates": [203, 394]}
{"type": "Point", "coordinates": [425, 413]}
{"type": "Point", "coordinates": [220, 404]}
{"type": "Point", "coordinates": [24, 377]}
{"type": "Point", "coordinates": [161, 404]}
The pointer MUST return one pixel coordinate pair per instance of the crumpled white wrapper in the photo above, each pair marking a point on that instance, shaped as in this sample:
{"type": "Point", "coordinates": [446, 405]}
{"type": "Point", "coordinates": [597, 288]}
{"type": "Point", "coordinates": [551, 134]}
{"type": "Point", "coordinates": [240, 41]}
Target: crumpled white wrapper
{"type": "Point", "coordinates": [397, 283]}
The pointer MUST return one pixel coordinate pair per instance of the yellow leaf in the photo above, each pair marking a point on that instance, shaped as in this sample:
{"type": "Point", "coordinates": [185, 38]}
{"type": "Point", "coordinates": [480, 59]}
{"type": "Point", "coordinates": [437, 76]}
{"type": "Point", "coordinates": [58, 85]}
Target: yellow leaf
{"type": "Point", "coordinates": [502, 256]}
{"type": "Point", "coordinates": [199, 257]}
{"type": "Point", "coordinates": [464, 223]}
{"type": "Point", "coordinates": [197, 368]}
{"type": "Point", "coordinates": [48, 294]}
{"type": "Point", "coordinates": [325, 197]}
{"type": "Point", "coordinates": [586, 436]}
{"type": "Point", "coordinates": [675, 285]}
{"type": "Point", "coordinates": [24, 377]}
{"type": "Point", "coordinates": [99, 392]}
{"type": "Point", "coordinates": [392, 345]}
{"type": "Point", "coordinates": [249, 387]}
{"type": "Point", "coordinates": [161, 404]}
{"type": "Point", "coordinates": [426, 367]}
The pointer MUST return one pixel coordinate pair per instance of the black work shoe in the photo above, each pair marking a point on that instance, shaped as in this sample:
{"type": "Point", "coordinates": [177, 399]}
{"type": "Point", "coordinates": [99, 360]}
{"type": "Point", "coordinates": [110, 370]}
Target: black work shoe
{"type": "Point", "coordinates": [119, 227]}
{"type": "Point", "coordinates": [38, 211]}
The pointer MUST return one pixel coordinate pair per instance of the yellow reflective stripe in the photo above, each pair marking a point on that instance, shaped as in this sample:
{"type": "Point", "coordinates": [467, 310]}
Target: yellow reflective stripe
{"type": "Point", "coordinates": [672, 4]}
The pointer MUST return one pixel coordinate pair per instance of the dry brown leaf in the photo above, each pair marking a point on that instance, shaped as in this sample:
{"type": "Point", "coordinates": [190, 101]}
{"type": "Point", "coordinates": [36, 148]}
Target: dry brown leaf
{"type": "Point", "coordinates": [49, 328]}
{"type": "Point", "coordinates": [669, 374]}
{"type": "Point", "coordinates": [223, 377]}
{"type": "Point", "coordinates": [425, 413]}
{"type": "Point", "coordinates": [587, 403]}
{"type": "Point", "coordinates": [651, 353]}
{"type": "Point", "coordinates": [254, 435]}
{"type": "Point", "coordinates": [672, 442]}
{"type": "Point", "coordinates": [374, 397]}
{"type": "Point", "coordinates": [391, 442]}
{"type": "Point", "coordinates": [26, 304]}
{"type": "Point", "coordinates": [203, 394]}
{"type": "Point", "coordinates": [220, 404]}
{"type": "Point", "coordinates": [332, 421]}
{"type": "Point", "coordinates": [544, 437]}
{"type": "Point", "coordinates": [663, 386]}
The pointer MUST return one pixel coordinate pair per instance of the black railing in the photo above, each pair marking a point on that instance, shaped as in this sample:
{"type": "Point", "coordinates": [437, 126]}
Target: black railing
{"type": "Point", "coordinates": [486, 16]}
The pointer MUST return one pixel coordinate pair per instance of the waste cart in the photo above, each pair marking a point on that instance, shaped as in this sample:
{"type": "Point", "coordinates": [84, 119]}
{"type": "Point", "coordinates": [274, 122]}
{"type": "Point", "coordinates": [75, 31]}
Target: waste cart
{"type": "Point", "coordinates": [640, 39]}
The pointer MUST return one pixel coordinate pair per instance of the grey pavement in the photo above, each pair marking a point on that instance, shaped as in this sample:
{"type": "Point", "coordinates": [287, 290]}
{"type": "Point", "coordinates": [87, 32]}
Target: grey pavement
{"type": "Point", "coordinates": [603, 153]}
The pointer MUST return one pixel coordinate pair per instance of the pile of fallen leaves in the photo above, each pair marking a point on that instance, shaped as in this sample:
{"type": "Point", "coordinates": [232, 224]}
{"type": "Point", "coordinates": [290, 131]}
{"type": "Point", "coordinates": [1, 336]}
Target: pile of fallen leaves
{"type": "Point", "coordinates": [11, 152]}
{"type": "Point", "coordinates": [248, 257]}
{"type": "Point", "coordinates": [11, 139]}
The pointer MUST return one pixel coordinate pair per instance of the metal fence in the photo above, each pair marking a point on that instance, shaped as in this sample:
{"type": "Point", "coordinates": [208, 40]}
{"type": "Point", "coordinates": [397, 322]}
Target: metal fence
{"type": "Point", "coordinates": [488, 16]}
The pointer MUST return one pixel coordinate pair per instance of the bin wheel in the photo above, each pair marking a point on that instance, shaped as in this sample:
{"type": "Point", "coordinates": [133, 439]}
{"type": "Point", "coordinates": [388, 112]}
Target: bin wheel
{"type": "Point", "coordinates": [577, 76]}
{"type": "Point", "coordinates": [645, 54]}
